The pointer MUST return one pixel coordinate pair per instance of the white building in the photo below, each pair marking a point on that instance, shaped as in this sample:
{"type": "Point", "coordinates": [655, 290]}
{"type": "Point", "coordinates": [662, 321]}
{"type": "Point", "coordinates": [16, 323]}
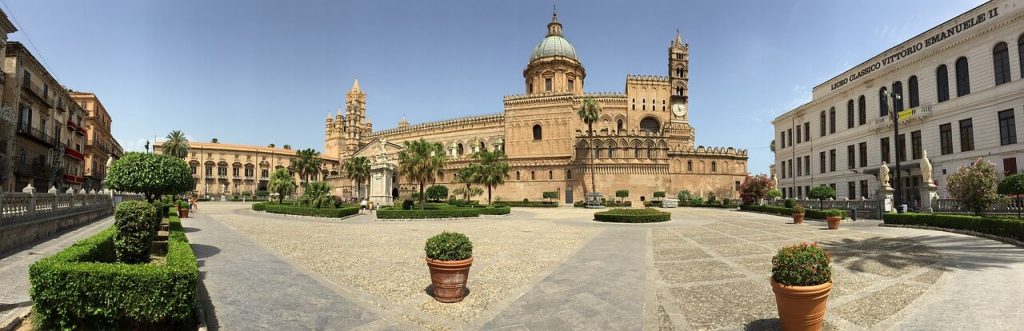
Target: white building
{"type": "Point", "coordinates": [963, 84]}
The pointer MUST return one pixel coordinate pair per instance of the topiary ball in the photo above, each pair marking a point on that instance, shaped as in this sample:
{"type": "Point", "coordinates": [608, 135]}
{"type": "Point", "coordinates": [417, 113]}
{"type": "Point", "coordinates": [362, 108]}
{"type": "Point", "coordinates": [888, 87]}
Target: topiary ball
{"type": "Point", "coordinates": [804, 264]}
{"type": "Point", "coordinates": [449, 246]}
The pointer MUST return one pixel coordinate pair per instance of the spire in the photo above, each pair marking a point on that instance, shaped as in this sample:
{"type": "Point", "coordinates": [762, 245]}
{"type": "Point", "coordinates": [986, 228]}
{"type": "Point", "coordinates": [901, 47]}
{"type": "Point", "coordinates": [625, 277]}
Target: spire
{"type": "Point", "coordinates": [679, 38]}
{"type": "Point", "coordinates": [554, 28]}
{"type": "Point", "coordinates": [355, 85]}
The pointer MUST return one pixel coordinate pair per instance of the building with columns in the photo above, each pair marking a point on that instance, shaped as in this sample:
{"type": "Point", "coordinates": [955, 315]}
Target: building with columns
{"type": "Point", "coordinates": [961, 90]}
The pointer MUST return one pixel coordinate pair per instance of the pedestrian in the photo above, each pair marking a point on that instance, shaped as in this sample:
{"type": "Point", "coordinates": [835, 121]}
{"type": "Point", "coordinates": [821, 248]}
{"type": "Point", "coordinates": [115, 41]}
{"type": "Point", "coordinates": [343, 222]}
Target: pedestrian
{"type": "Point", "coordinates": [194, 203]}
{"type": "Point", "coordinates": [362, 207]}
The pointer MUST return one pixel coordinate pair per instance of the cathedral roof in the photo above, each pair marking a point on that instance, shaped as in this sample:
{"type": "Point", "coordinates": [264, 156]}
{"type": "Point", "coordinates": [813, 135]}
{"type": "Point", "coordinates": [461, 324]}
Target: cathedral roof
{"type": "Point", "coordinates": [554, 44]}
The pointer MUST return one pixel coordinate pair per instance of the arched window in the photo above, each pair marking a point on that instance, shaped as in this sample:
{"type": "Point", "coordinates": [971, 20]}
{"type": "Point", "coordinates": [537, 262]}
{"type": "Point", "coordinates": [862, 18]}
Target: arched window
{"type": "Point", "coordinates": [643, 105]}
{"type": "Point", "coordinates": [849, 114]}
{"type": "Point", "coordinates": [679, 72]}
{"type": "Point", "coordinates": [823, 123]}
{"type": "Point", "coordinates": [963, 79]}
{"type": "Point", "coordinates": [714, 166]}
{"type": "Point", "coordinates": [533, 175]}
{"type": "Point", "coordinates": [650, 124]}
{"type": "Point", "coordinates": [597, 152]}
{"type": "Point", "coordinates": [537, 133]}
{"type": "Point", "coordinates": [618, 125]}
{"type": "Point", "coordinates": [459, 150]}
{"type": "Point", "coordinates": [862, 111]}
{"type": "Point", "coordinates": [651, 153]}
{"type": "Point", "coordinates": [517, 175]}
{"type": "Point", "coordinates": [689, 166]}
{"type": "Point", "coordinates": [568, 173]}
{"type": "Point", "coordinates": [611, 152]}
{"type": "Point", "coordinates": [636, 152]}
{"type": "Point", "coordinates": [482, 148]}
{"type": "Point", "coordinates": [1001, 63]}
{"type": "Point", "coordinates": [883, 102]}
{"type": "Point", "coordinates": [832, 120]}
{"type": "Point", "coordinates": [679, 90]}
{"type": "Point", "coordinates": [913, 97]}
{"type": "Point", "coordinates": [942, 83]}
{"type": "Point", "coordinates": [551, 174]}
{"type": "Point", "coordinates": [897, 89]}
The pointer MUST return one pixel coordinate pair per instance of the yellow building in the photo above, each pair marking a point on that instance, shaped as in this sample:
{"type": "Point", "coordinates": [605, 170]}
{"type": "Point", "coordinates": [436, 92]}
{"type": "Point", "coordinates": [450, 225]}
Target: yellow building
{"type": "Point", "coordinates": [100, 144]}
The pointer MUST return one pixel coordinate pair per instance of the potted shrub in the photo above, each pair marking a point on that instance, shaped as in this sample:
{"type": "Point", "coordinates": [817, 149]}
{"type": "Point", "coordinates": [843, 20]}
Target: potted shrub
{"type": "Point", "coordinates": [801, 279]}
{"type": "Point", "coordinates": [449, 256]}
{"type": "Point", "coordinates": [798, 214]}
{"type": "Point", "coordinates": [183, 208]}
{"type": "Point", "coordinates": [834, 217]}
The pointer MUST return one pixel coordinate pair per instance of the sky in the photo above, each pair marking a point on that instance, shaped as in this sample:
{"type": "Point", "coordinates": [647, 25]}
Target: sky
{"type": "Point", "coordinates": [260, 72]}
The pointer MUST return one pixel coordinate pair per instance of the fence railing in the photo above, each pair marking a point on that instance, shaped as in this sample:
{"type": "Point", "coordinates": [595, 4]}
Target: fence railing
{"type": "Point", "coordinates": [865, 208]}
{"type": "Point", "coordinates": [1002, 207]}
{"type": "Point", "coordinates": [16, 207]}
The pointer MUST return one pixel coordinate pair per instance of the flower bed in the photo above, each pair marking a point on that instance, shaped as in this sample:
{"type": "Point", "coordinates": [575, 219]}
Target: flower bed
{"type": "Point", "coordinates": [82, 287]}
{"type": "Point", "coordinates": [394, 213]}
{"type": "Point", "coordinates": [276, 208]}
{"type": "Point", "coordinates": [1001, 227]}
{"type": "Point", "coordinates": [620, 215]}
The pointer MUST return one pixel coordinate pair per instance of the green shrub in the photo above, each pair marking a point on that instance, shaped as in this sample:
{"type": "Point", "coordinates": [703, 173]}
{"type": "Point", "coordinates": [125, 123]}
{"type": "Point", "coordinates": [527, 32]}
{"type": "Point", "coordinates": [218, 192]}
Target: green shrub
{"type": "Point", "coordinates": [798, 209]}
{"type": "Point", "coordinates": [1002, 227]}
{"type": "Point", "coordinates": [801, 265]}
{"type": "Point", "coordinates": [790, 203]}
{"type": "Point", "coordinates": [82, 287]}
{"type": "Point", "coordinates": [550, 195]}
{"type": "Point", "coordinates": [525, 200]}
{"type": "Point", "coordinates": [495, 210]}
{"type": "Point", "coordinates": [655, 203]}
{"type": "Point", "coordinates": [436, 192]}
{"type": "Point", "coordinates": [528, 204]}
{"type": "Point", "coordinates": [134, 221]}
{"type": "Point", "coordinates": [391, 213]}
{"type": "Point", "coordinates": [833, 212]}
{"type": "Point", "coordinates": [768, 209]}
{"type": "Point", "coordinates": [449, 246]}
{"type": "Point", "coordinates": [288, 209]}
{"type": "Point", "coordinates": [659, 194]}
{"type": "Point", "coordinates": [407, 204]}
{"type": "Point", "coordinates": [684, 196]}
{"type": "Point", "coordinates": [823, 214]}
{"type": "Point", "coordinates": [621, 215]}
{"type": "Point", "coordinates": [711, 197]}
{"type": "Point", "coordinates": [622, 194]}
{"type": "Point", "coordinates": [183, 204]}
{"type": "Point", "coordinates": [262, 193]}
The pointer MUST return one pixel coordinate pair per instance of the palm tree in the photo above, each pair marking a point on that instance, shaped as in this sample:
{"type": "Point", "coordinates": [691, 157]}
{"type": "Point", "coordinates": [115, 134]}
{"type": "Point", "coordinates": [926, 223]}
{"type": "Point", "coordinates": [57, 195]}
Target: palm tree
{"type": "Point", "coordinates": [589, 113]}
{"type": "Point", "coordinates": [306, 162]}
{"type": "Point", "coordinates": [215, 141]}
{"type": "Point", "coordinates": [358, 170]}
{"type": "Point", "coordinates": [282, 183]}
{"type": "Point", "coordinates": [176, 144]}
{"type": "Point", "coordinates": [491, 170]}
{"type": "Point", "coordinates": [466, 176]}
{"type": "Point", "coordinates": [420, 161]}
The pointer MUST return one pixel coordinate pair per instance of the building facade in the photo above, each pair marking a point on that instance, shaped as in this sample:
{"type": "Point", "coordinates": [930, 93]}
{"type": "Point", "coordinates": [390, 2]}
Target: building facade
{"type": "Point", "coordinates": [643, 141]}
{"type": "Point", "coordinates": [960, 93]}
{"type": "Point", "coordinates": [8, 117]}
{"type": "Point", "coordinates": [46, 149]}
{"type": "Point", "coordinates": [100, 145]}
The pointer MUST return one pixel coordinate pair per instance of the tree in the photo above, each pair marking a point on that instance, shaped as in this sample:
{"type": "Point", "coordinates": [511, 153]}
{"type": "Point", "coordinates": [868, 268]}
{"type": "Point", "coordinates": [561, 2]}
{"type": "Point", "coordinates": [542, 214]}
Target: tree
{"type": "Point", "coordinates": [420, 161]}
{"type": "Point", "coordinates": [755, 188]}
{"type": "Point", "coordinates": [772, 146]}
{"type": "Point", "coordinates": [589, 112]}
{"type": "Point", "coordinates": [215, 141]}
{"type": "Point", "coordinates": [467, 176]}
{"type": "Point", "coordinates": [287, 146]}
{"type": "Point", "coordinates": [773, 193]}
{"type": "Point", "coordinates": [622, 194]}
{"type": "Point", "coordinates": [316, 193]}
{"type": "Point", "coordinates": [306, 162]}
{"type": "Point", "coordinates": [468, 192]}
{"type": "Point", "coordinates": [153, 175]}
{"type": "Point", "coordinates": [358, 170]}
{"type": "Point", "coordinates": [282, 183]}
{"type": "Point", "coordinates": [1013, 186]}
{"type": "Point", "coordinates": [437, 192]}
{"type": "Point", "coordinates": [271, 145]}
{"type": "Point", "coordinates": [491, 170]}
{"type": "Point", "coordinates": [974, 186]}
{"type": "Point", "coordinates": [176, 144]}
{"type": "Point", "coordinates": [550, 195]}
{"type": "Point", "coordinates": [822, 192]}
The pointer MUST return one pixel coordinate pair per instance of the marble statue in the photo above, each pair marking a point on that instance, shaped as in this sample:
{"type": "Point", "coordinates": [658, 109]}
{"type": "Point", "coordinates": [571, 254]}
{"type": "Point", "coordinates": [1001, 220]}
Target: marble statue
{"type": "Point", "coordinates": [382, 154]}
{"type": "Point", "coordinates": [926, 169]}
{"type": "Point", "coordinates": [883, 174]}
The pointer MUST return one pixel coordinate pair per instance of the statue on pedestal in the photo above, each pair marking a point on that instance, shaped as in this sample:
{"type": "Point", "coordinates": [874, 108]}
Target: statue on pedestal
{"type": "Point", "coordinates": [926, 169]}
{"type": "Point", "coordinates": [883, 175]}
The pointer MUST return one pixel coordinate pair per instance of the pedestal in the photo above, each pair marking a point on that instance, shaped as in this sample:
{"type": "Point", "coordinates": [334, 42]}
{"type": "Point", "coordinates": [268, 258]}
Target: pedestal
{"type": "Point", "coordinates": [929, 196]}
{"type": "Point", "coordinates": [885, 194]}
{"type": "Point", "coordinates": [381, 182]}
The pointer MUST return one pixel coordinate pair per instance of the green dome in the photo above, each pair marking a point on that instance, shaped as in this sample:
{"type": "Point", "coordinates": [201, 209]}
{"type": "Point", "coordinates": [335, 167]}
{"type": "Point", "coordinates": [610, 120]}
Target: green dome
{"type": "Point", "coordinates": [553, 45]}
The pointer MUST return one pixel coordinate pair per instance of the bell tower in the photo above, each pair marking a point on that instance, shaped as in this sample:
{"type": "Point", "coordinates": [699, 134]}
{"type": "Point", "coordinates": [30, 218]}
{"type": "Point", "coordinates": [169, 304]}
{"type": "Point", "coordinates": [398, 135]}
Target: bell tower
{"type": "Point", "coordinates": [679, 77]}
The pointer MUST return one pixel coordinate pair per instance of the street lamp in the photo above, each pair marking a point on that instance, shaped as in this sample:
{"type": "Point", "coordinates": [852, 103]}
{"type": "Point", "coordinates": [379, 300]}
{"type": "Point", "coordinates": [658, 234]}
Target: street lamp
{"type": "Point", "coordinates": [896, 136]}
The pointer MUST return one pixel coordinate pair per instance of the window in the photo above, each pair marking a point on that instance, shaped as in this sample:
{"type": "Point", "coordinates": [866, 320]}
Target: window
{"type": "Point", "coordinates": [537, 133]}
{"type": "Point", "coordinates": [799, 166]}
{"type": "Point", "coordinates": [194, 167]}
{"type": "Point", "coordinates": [864, 189]}
{"type": "Point", "coordinates": [800, 192]}
{"type": "Point", "coordinates": [822, 123]}
{"type": "Point", "coordinates": [618, 125]}
{"type": "Point", "coordinates": [650, 125]}
{"type": "Point", "coordinates": [714, 166]}
{"type": "Point", "coordinates": [849, 114]}
{"type": "Point", "coordinates": [897, 91]}
{"type": "Point", "coordinates": [913, 96]}
{"type": "Point", "coordinates": [651, 152]}
{"type": "Point", "coordinates": [679, 72]}
{"type": "Point", "coordinates": [807, 165]}
{"type": "Point", "coordinates": [597, 152]}
{"type": "Point", "coordinates": [915, 144]}
{"type": "Point", "coordinates": [1001, 63]}
{"type": "Point", "coordinates": [1009, 166]}
{"type": "Point", "coordinates": [782, 169]}
{"type": "Point", "coordinates": [799, 137]}
{"type": "Point", "coordinates": [636, 152]}
{"type": "Point", "coordinates": [862, 111]}
{"type": "Point", "coordinates": [209, 171]}
{"type": "Point", "coordinates": [883, 102]}
{"type": "Point", "coordinates": [851, 190]}
{"type": "Point", "coordinates": [851, 158]}
{"type": "Point", "coordinates": [689, 165]}
{"type": "Point", "coordinates": [832, 160]}
{"type": "Point", "coordinates": [633, 104]}
{"type": "Point", "coordinates": [459, 150]}
{"type": "Point", "coordinates": [611, 152]}
{"type": "Point", "coordinates": [966, 135]}
{"type": "Point", "coordinates": [530, 88]}
{"type": "Point", "coordinates": [234, 172]}
{"type": "Point", "coordinates": [946, 138]}
{"type": "Point", "coordinates": [533, 175]}
{"type": "Point", "coordinates": [568, 173]}
{"type": "Point", "coordinates": [832, 120]}
{"type": "Point", "coordinates": [517, 175]}
{"type": "Point", "coordinates": [482, 147]}
{"type": "Point", "coordinates": [942, 83]}
{"type": "Point", "coordinates": [1020, 54]}
{"type": "Point", "coordinates": [679, 90]}
{"type": "Point", "coordinates": [863, 151]}
{"type": "Point", "coordinates": [963, 79]}
{"type": "Point", "coordinates": [643, 104]}
{"type": "Point", "coordinates": [547, 84]}
{"type": "Point", "coordinates": [782, 138]}
{"type": "Point", "coordinates": [551, 174]}
{"type": "Point", "coordinates": [807, 131]}
{"type": "Point", "coordinates": [901, 147]}
{"type": "Point", "coordinates": [26, 80]}
{"type": "Point", "coordinates": [264, 173]}
{"type": "Point", "coordinates": [571, 85]}
{"type": "Point", "coordinates": [1007, 128]}
{"type": "Point", "coordinates": [821, 162]}
{"type": "Point", "coordinates": [789, 132]}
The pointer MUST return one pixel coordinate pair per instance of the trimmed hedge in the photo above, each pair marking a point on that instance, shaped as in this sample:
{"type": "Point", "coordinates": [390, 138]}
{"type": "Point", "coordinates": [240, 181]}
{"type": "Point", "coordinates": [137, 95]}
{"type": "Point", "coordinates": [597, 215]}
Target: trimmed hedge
{"type": "Point", "coordinates": [1002, 227]}
{"type": "Point", "coordinates": [83, 287]}
{"type": "Point", "coordinates": [494, 210]}
{"type": "Point", "coordinates": [392, 213]}
{"type": "Point", "coordinates": [783, 211]}
{"type": "Point", "coordinates": [273, 207]}
{"type": "Point", "coordinates": [620, 215]}
{"type": "Point", "coordinates": [541, 204]}
{"type": "Point", "coordinates": [136, 224]}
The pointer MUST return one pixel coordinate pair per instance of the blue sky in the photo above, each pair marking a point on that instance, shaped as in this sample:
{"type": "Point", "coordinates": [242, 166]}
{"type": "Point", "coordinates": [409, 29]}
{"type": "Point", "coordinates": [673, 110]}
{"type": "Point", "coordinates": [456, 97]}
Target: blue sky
{"type": "Point", "coordinates": [259, 72]}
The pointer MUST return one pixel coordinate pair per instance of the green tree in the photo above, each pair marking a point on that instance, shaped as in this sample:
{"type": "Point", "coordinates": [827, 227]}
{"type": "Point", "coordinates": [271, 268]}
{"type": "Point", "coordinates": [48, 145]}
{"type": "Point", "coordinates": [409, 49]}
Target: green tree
{"type": "Point", "coordinates": [358, 170]}
{"type": "Point", "coordinates": [271, 145]}
{"type": "Point", "coordinates": [153, 175]}
{"type": "Point", "coordinates": [287, 146]}
{"type": "Point", "coordinates": [437, 192]}
{"type": "Point", "coordinates": [282, 183]}
{"type": "Point", "coordinates": [974, 186]}
{"type": "Point", "coordinates": [491, 169]}
{"type": "Point", "coordinates": [773, 193]}
{"type": "Point", "coordinates": [772, 146]}
{"type": "Point", "coordinates": [622, 194]}
{"type": "Point", "coordinates": [420, 161]}
{"type": "Point", "coordinates": [306, 162]}
{"type": "Point", "coordinates": [589, 112]}
{"type": "Point", "coordinates": [176, 144]}
{"type": "Point", "coordinates": [467, 176]}
{"type": "Point", "coordinates": [215, 141]}
{"type": "Point", "coordinates": [755, 188]}
{"type": "Point", "coordinates": [1013, 186]}
{"type": "Point", "coordinates": [316, 193]}
{"type": "Point", "coordinates": [821, 193]}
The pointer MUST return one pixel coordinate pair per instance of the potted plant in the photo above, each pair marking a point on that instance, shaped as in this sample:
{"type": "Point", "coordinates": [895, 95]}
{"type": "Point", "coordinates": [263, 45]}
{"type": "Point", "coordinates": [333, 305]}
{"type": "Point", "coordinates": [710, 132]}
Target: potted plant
{"type": "Point", "coordinates": [449, 256]}
{"type": "Point", "coordinates": [798, 214]}
{"type": "Point", "coordinates": [834, 217]}
{"type": "Point", "coordinates": [183, 208]}
{"type": "Point", "coordinates": [801, 279]}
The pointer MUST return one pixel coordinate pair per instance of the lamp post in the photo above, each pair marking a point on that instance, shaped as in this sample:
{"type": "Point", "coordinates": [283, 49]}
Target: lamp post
{"type": "Point", "coordinates": [896, 136]}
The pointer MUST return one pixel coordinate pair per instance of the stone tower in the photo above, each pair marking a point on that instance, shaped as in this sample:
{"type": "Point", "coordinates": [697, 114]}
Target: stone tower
{"type": "Point", "coordinates": [345, 133]}
{"type": "Point", "coordinates": [679, 78]}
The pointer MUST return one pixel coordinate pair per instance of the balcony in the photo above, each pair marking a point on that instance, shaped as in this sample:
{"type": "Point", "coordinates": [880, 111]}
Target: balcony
{"type": "Point", "coordinates": [73, 153]}
{"type": "Point", "coordinates": [222, 177]}
{"type": "Point", "coordinates": [917, 114]}
{"type": "Point", "coordinates": [35, 168]}
{"type": "Point", "coordinates": [38, 135]}
{"type": "Point", "coordinates": [73, 179]}
{"type": "Point", "coordinates": [38, 92]}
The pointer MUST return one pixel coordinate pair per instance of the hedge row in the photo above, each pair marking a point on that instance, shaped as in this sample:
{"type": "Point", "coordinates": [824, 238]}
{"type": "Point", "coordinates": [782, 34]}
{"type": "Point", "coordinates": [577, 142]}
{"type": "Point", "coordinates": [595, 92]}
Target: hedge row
{"type": "Point", "coordinates": [543, 204]}
{"type": "Point", "coordinates": [82, 287]}
{"type": "Point", "coordinates": [495, 210]}
{"type": "Point", "coordinates": [783, 211]}
{"type": "Point", "coordinates": [1002, 227]}
{"type": "Point", "coordinates": [620, 215]}
{"type": "Point", "coordinates": [273, 207]}
{"type": "Point", "coordinates": [393, 213]}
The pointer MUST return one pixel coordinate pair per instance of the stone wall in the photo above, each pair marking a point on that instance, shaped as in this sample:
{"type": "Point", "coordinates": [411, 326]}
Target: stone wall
{"type": "Point", "coordinates": [29, 229]}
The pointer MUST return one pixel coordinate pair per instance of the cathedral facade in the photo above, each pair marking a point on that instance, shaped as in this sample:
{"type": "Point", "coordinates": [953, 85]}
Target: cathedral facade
{"type": "Point", "coordinates": [643, 141]}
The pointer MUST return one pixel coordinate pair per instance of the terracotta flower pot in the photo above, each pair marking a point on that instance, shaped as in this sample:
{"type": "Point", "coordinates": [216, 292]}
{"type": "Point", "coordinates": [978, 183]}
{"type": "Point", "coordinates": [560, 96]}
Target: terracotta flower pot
{"type": "Point", "coordinates": [449, 278]}
{"type": "Point", "coordinates": [798, 218]}
{"type": "Point", "coordinates": [833, 222]}
{"type": "Point", "coordinates": [182, 212]}
{"type": "Point", "coordinates": [801, 307]}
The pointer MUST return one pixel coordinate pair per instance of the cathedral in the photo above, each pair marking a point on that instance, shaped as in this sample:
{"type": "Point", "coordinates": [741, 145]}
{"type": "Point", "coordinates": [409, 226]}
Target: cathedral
{"type": "Point", "coordinates": [643, 141]}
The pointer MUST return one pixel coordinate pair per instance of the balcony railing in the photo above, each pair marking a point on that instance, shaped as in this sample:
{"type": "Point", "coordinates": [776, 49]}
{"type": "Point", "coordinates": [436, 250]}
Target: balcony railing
{"type": "Point", "coordinates": [73, 153]}
{"type": "Point", "coordinates": [27, 130]}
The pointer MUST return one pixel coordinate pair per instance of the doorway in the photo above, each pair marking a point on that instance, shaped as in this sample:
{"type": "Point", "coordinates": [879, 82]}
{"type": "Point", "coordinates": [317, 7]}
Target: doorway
{"type": "Point", "coordinates": [568, 195]}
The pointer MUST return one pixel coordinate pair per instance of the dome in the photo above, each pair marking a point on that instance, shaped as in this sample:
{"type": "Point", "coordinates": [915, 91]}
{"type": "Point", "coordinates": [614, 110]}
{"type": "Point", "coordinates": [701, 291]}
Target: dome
{"type": "Point", "coordinates": [553, 45]}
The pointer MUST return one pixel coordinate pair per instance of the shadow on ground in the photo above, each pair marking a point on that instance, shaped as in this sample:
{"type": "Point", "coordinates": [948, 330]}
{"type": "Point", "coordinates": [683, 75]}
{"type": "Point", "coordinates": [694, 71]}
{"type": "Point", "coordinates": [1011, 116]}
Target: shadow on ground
{"type": "Point", "coordinates": [204, 251]}
{"type": "Point", "coordinates": [964, 253]}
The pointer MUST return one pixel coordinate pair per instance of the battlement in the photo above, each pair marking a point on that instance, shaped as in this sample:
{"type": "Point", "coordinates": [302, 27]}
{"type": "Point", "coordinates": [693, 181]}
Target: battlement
{"type": "Point", "coordinates": [442, 124]}
{"type": "Point", "coordinates": [712, 151]}
{"type": "Point", "coordinates": [649, 78]}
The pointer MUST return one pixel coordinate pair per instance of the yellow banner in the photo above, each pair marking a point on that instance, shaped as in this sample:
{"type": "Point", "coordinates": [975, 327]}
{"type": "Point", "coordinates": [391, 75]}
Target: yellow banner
{"type": "Point", "coordinates": [905, 114]}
